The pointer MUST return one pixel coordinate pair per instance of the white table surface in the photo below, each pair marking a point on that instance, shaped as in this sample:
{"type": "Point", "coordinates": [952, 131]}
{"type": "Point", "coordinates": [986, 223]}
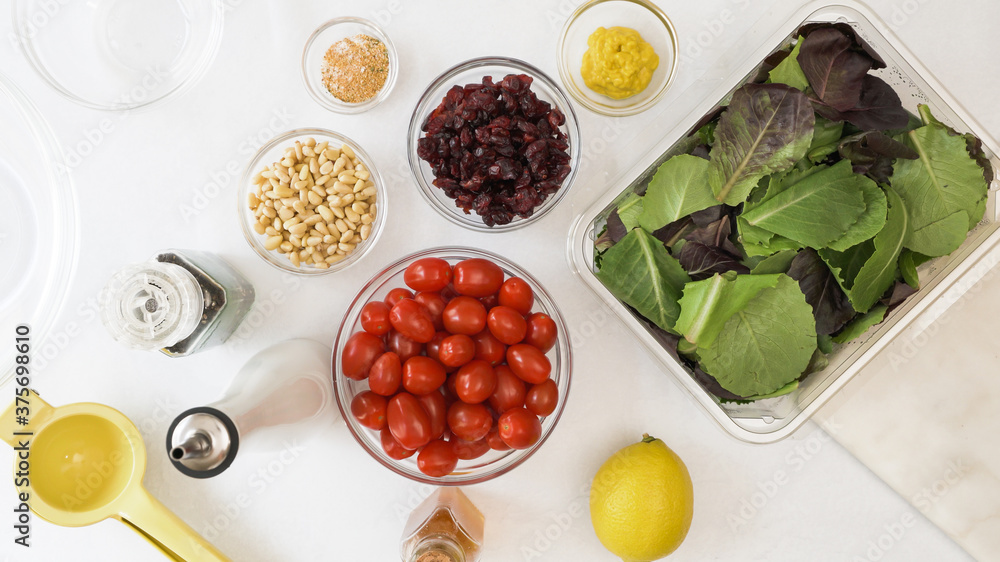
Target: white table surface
{"type": "Point", "coordinates": [802, 499]}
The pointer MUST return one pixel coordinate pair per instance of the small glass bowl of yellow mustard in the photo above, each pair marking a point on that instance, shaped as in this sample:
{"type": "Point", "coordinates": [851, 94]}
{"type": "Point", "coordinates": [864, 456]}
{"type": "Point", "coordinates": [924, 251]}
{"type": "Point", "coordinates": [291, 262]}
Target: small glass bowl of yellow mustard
{"type": "Point", "coordinates": [618, 57]}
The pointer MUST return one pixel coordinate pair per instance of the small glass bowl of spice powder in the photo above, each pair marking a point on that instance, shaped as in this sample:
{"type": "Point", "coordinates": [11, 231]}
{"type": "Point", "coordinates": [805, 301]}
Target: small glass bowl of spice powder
{"type": "Point", "coordinates": [349, 65]}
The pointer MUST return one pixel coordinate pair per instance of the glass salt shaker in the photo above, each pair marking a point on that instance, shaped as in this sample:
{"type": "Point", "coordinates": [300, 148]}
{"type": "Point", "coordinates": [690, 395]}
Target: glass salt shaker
{"type": "Point", "coordinates": [445, 527]}
{"type": "Point", "coordinates": [282, 393]}
{"type": "Point", "coordinates": [179, 302]}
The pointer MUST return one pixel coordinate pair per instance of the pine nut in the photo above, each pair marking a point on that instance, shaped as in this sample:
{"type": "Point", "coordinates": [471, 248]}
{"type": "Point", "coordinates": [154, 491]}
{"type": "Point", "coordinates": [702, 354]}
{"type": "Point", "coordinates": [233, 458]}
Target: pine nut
{"type": "Point", "coordinates": [314, 198]}
{"type": "Point", "coordinates": [366, 231]}
{"type": "Point", "coordinates": [339, 212]}
{"type": "Point", "coordinates": [273, 242]}
{"type": "Point", "coordinates": [347, 237]}
{"type": "Point", "coordinates": [286, 246]}
{"type": "Point", "coordinates": [325, 212]}
{"type": "Point", "coordinates": [259, 228]}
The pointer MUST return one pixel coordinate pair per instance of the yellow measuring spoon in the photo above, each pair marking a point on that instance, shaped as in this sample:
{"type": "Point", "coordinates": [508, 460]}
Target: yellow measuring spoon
{"type": "Point", "coordinates": [86, 462]}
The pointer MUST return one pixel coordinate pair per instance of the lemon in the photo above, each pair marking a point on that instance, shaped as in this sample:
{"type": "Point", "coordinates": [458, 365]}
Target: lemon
{"type": "Point", "coordinates": [641, 501]}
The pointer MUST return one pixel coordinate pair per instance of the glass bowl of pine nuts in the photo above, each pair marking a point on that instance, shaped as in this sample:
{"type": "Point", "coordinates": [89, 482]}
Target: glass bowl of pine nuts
{"type": "Point", "coordinates": [311, 202]}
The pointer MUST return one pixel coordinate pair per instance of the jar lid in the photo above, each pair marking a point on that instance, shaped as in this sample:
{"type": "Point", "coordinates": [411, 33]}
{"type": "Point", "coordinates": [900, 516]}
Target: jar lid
{"type": "Point", "coordinates": [152, 305]}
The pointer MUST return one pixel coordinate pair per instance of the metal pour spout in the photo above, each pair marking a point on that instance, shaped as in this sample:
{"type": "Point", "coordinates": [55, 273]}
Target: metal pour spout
{"type": "Point", "coordinates": [202, 442]}
{"type": "Point", "coordinates": [196, 446]}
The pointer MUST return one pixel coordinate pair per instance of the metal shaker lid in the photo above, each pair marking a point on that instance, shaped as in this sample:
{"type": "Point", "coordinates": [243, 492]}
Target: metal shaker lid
{"type": "Point", "coordinates": [152, 305]}
{"type": "Point", "coordinates": [202, 442]}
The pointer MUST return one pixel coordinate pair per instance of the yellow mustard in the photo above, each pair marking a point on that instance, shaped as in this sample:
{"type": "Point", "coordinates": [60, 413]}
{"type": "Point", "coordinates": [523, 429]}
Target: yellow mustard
{"type": "Point", "coordinates": [618, 62]}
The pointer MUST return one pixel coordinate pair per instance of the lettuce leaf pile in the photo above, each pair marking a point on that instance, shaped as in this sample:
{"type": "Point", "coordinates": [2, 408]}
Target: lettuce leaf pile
{"type": "Point", "coordinates": [795, 220]}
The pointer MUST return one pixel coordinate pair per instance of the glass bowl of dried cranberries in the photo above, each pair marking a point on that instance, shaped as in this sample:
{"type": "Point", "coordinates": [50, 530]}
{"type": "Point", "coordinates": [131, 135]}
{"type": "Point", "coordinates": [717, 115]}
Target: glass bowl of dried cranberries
{"type": "Point", "coordinates": [493, 144]}
{"type": "Point", "coordinates": [452, 366]}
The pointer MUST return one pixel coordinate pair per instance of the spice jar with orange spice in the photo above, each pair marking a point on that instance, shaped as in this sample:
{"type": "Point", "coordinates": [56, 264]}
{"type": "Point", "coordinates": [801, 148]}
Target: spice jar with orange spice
{"type": "Point", "coordinates": [446, 527]}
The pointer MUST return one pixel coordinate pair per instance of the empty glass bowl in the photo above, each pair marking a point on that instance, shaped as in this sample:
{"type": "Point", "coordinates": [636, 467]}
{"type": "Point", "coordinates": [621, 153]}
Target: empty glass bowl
{"type": "Point", "coordinates": [272, 152]}
{"type": "Point", "coordinates": [119, 54]}
{"type": "Point", "coordinates": [38, 236]}
{"type": "Point", "coordinates": [493, 463]}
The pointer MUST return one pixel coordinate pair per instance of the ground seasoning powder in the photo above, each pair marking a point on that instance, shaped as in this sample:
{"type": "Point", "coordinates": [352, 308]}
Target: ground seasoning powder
{"type": "Point", "coordinates": [355, 69]}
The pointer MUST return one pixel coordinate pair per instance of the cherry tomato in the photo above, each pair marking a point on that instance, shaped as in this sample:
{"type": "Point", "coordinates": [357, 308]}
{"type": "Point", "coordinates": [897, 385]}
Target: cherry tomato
{"type": "Point", "coordinates": [436, 407]}
{"type": "Point", "coordinates": [519, 428]}
{"type": "Point", "coordinates": [517, 294]}
{"type": "Point", "coordinates": [375, 318]}
{"type": "Point", "coordinates": [541, 332]}
{"type": "Point", "coordinates": [528, 363]}
{"type": "Point", "coordinates": [392, 447]}
{"type": "Point", "coordinates": [434, 303]}
{"type": "Point", "coordinates": [506, 324]}
{"type": "Point", "coordinates": [477, 277]}
{"type": "Point", "coordinates": [360, 352]}
{"type": "Point", "coordinates": [369, 409]}
{"type": "Point", "coordinates": [542, 398]}
{"type": "Point", "coordinates": [509, 392]}
{"type": "Point", "coordinates": [489, 301]}
{"type": "Point", "coordinates": [428, 274]}
{"type": "Point", "coordinates": [456, 350]}
{"type": "Point", "coordinates": [437, 458]}
{"type": "Point", "coordinates": [469, 421]}
{"type": "Point", "coordinates": [412, 320]}
{"type": "Point", "coordinates": [386, 374]}
{"type": "Point", "coordinates": [396, 295]}
{"type": "Point", "coordinates": [464, 315]}
{"type": "Point", "coordinates": [475, 381]}
{"type": "Point", "coordinates": [489, 348]}
{"type": "Point", "coordinates": [468, 450]}
{"type": "Point", "coordinates": [493, 438]}
{"type": "Point", "coordinates": [408, 421]}
{"type": "Point", "coordinates": [448, 293]}
{"type": "Point", "coordinates": [403, 346]}
{"type": "Point", "coordinates": [422, 375]}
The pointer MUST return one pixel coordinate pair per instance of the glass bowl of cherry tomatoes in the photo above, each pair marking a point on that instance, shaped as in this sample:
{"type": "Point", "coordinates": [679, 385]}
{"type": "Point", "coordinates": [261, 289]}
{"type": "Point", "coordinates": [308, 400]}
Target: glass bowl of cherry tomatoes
{"type": "Point", "coordinates": [452, 366]}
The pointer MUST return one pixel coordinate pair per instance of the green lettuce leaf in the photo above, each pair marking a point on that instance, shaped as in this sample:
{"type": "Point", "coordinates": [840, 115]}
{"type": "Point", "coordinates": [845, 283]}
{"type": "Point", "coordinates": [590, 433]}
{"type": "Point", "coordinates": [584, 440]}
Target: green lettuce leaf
{"type": "Point", "coordinates": [629, 211]}
{"type": "Point", "coordinates": [775, 263]}
{"type": "Point", "coordinates": [869, 223]}
{"type": "Point", "coordinates": [678, 188]}
{"type": "Point", "coordinates": [789, 71]}
{"type": "Point", "coordinates": [879, 272]}
{"type": "Point", "coordinates": [942, 189]}
{"type": "Point", "coordinates": [639, 271]}
{"type": "Point", "coordinates": [826, 139]}
{"type": "Point", "coordinates": [707, 304]}
{"type": "Point", "coordinates": [765, 344]}
{"type": "Point", "coordinates": [861, 324]}
{"type": "Point", "coordinates": [846, 265]}
{"type": "Point", "coordinates": [765, 129]}
{"type": "Point", "coordinates": [816, 210]}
